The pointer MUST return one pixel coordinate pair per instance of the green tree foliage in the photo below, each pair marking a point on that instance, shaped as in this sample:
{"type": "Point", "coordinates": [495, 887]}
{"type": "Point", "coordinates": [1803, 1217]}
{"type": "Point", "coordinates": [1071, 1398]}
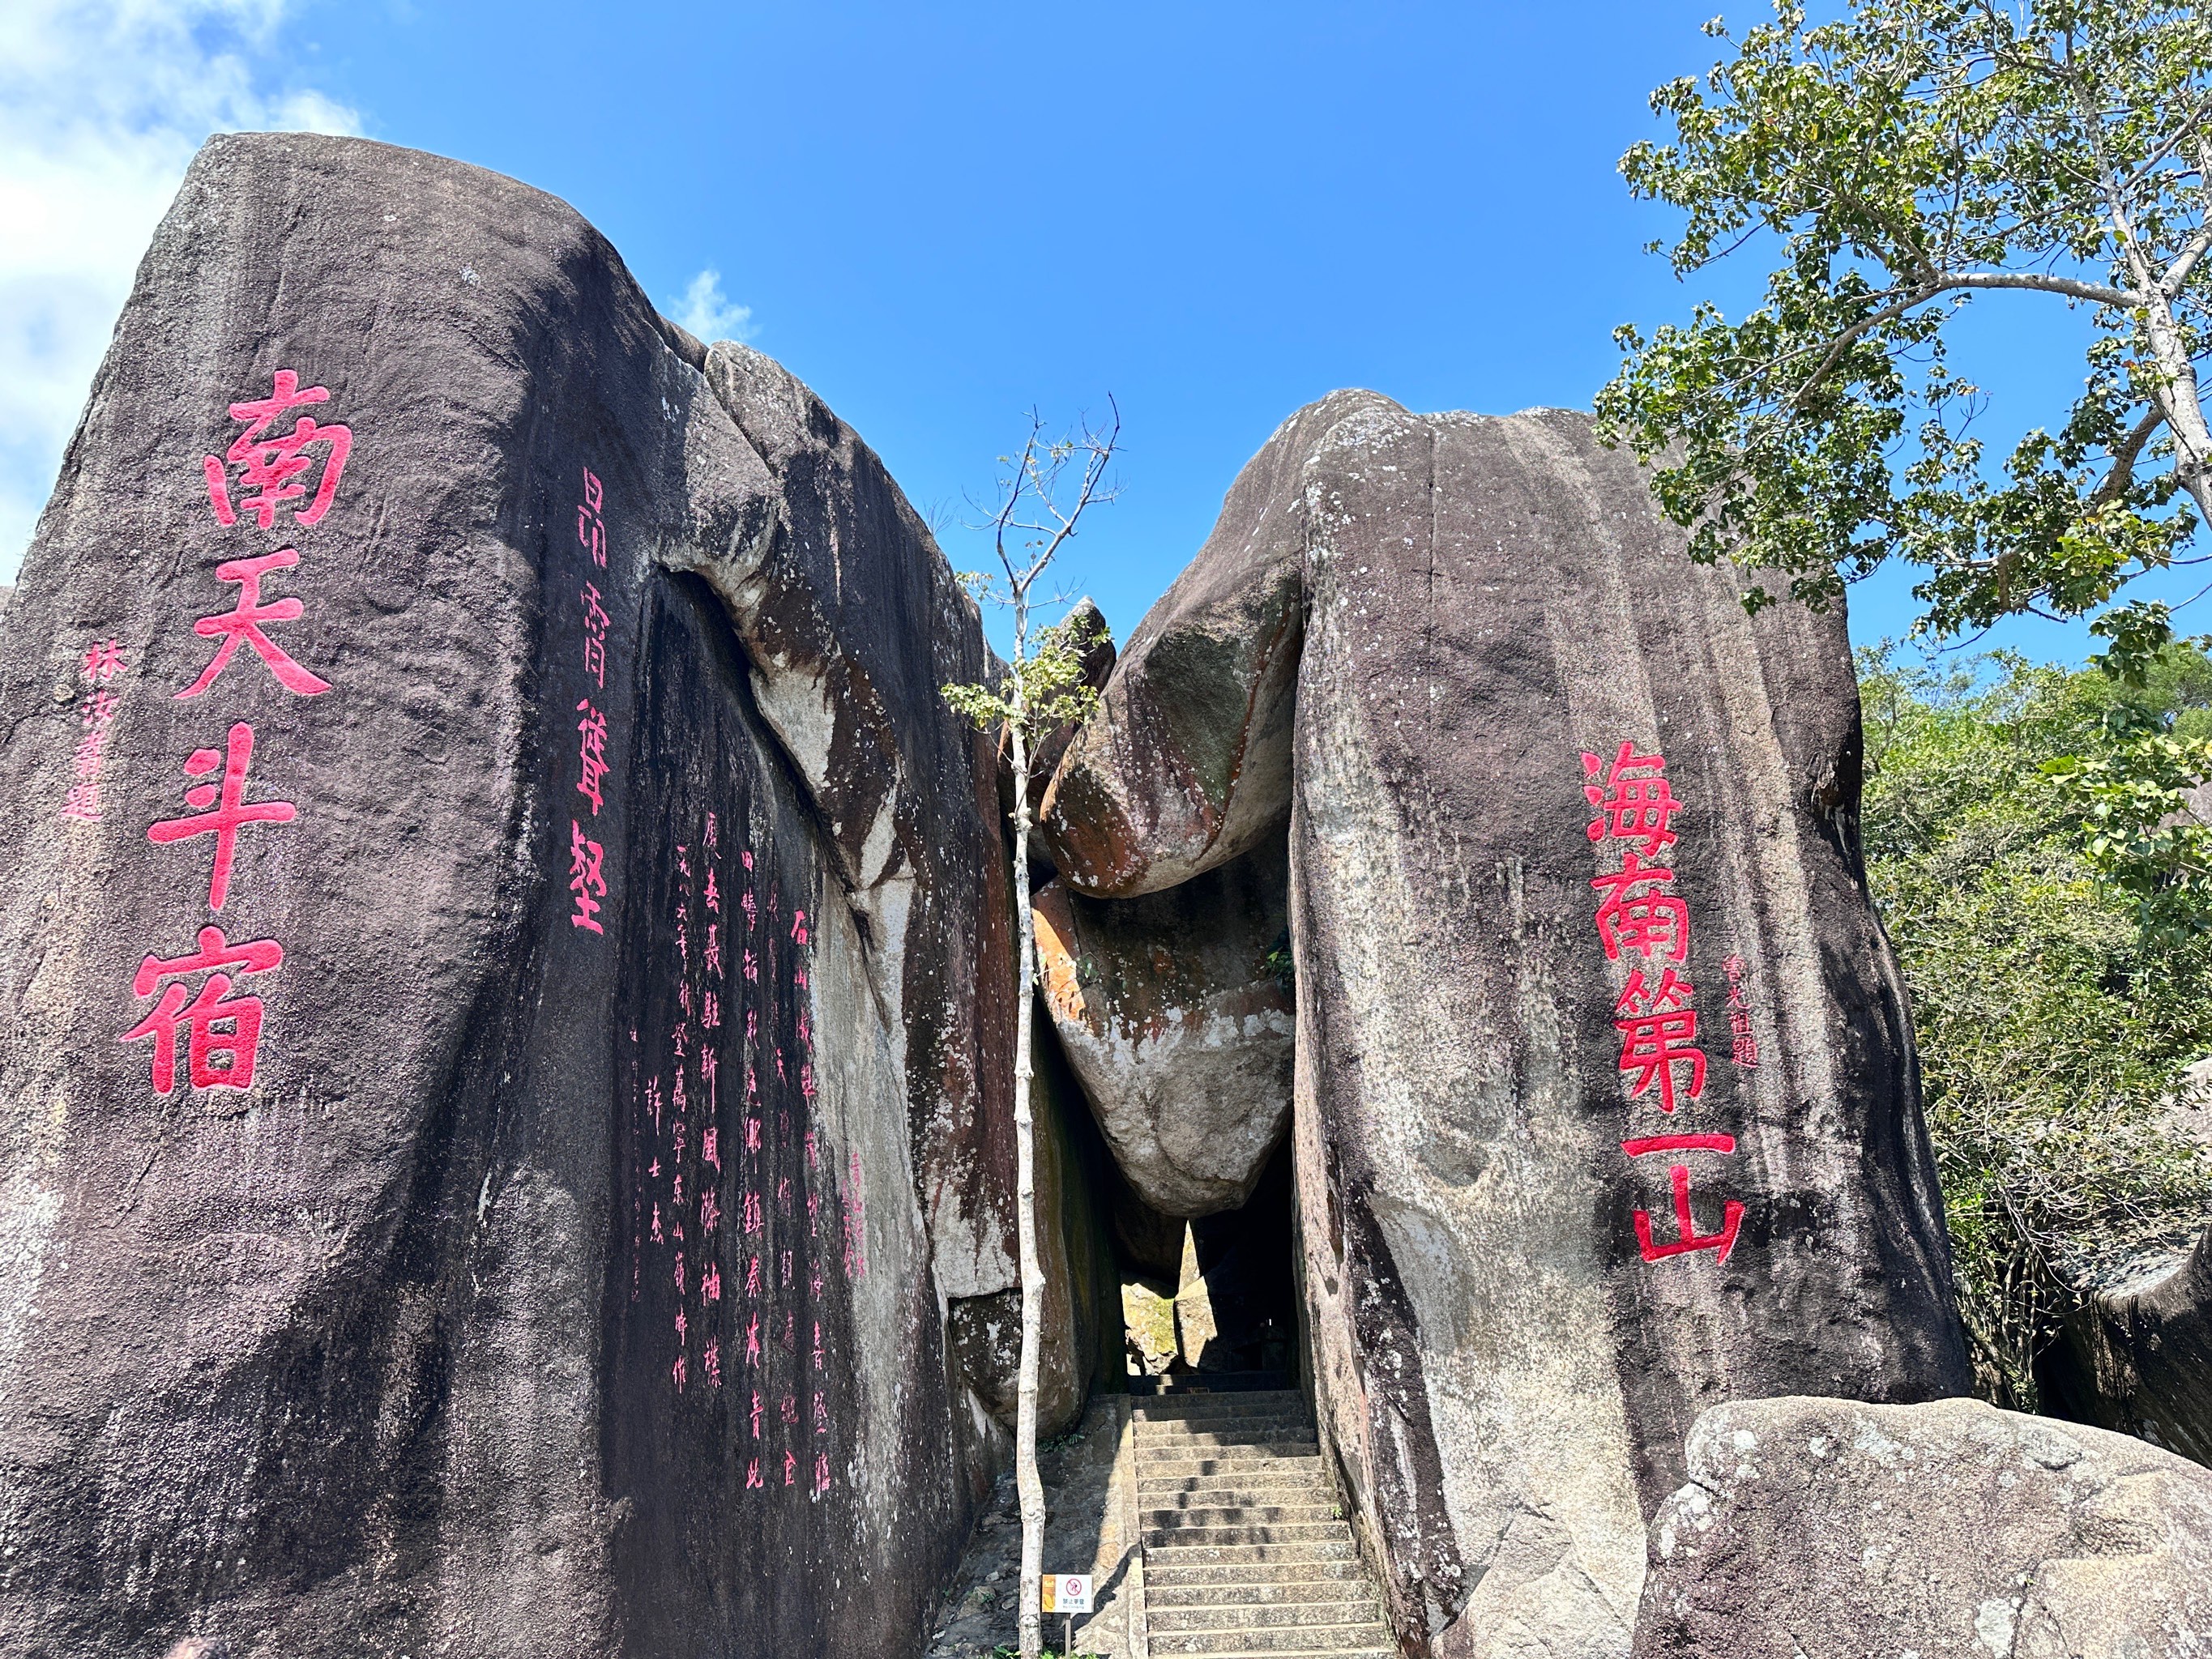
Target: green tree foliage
{"type": "Point", "coordinates": [1899, 162]}
{"type": "Point", "coordinates": [2053, 1023]}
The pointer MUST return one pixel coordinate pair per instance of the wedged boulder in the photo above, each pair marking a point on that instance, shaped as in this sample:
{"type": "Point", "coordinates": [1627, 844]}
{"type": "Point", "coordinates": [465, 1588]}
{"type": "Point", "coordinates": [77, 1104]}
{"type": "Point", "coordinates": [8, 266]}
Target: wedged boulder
{"type": "Point", "coordinates": [1524, 1273]}
{"type": "Point", "coordinates": [1188, 763]}
{"type": "Point", "coordinates": [1831, 1529]}
{"type": "Point", "coordinates": [1178, 1025]}
{"type": "Point", "coordinates": [504, 1062]}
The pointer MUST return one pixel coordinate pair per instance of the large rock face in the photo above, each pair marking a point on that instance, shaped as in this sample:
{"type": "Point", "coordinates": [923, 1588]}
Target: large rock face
{"type": "Point", "coordinates": [507, 1022]}
{"type": "Point", "coordinates": [1830, 1529]}
{"type": "Point", "coordinates": [1572, 843]}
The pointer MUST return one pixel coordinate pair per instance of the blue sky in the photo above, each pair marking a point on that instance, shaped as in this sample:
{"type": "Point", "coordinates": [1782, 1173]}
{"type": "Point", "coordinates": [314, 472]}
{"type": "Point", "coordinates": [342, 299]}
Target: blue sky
{"type": "Point", "coordinates": [940, 216]}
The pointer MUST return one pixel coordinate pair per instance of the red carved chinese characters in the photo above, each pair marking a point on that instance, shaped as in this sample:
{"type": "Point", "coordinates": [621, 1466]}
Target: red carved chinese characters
{"type": "Point", "coordinates": [221, 1028]}
{"type": "Point", "coordinates": [1743, 1046]}
{"type": "Point", "coordinates": [103, 664]}
{"type": "Point", "coordinates": [201, 1014]}
{"type": "Point", "coordinates": [1634, 802]}
{"type": "Point", "coordinates": [221, 810]}
{"type": "Point", "coordinates": [776, 1220]}
{"type": "Point", "coordinates": [590, 530]}
{"type": "Point", "coordinates": [1686, 1236]}
{"type": "Point", "coordinates": [1658, 1036]}
{"type": "Point", "coordinates": [593, 752]}
{"type": "Point", "coordinates": [1640, 915]}
{"type": "Point", "coordinates": [596, 621]}
{"type": "Point", "coordinates": [1637, 913]}
{"type": "Point", "coordinates": [243, 626]}
{"type": "Point", "coordinates": [273, 466]}
{"type": "Point", "coordinates": [587, 881]}
{"type": "Point", "coordinates": [588, 872]}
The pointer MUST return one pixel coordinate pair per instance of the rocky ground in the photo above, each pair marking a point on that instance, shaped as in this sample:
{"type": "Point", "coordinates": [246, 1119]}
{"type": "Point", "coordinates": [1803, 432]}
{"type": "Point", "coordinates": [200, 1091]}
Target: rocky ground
{"type": "Point", "coordinates": [1084, 1532]}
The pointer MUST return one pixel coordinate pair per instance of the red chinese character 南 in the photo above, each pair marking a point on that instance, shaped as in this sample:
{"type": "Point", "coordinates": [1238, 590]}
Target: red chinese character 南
{"type": "Point", "coordinates": [1686, 1236]}
{"type": "Point", "coordinates": [273, 464]}
{"type": "Point", "coordinates": [592, 753]}
{"type": "Point", "coordinates": [237, 1045]}
{"type": "Point", "coordinates": [586, 877]}
{"type": "Point", "coordinates": [244, 624]}
{"type": "Point", "coordinates": [1635, 914]}
{"type": "Point", "coordinates": [222, 811]}
{"type": "Point", "coordinates": [1658, 1028]}
{"type": "Point", "coordinates": [1634, 802]}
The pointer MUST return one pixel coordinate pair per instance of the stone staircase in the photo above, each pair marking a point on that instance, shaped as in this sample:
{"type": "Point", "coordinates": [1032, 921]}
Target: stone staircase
{"type": "Point", "coordinates": [1244, 1551]}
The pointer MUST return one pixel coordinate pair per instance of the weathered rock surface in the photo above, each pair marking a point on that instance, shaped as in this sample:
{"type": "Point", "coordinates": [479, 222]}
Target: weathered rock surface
{"type": "Point", "coordinates": [1831, 1529]}
{"type": "Point", "coordinates": [1408, 632]}
{"type": "Point", "coordinates": [2137, 1352]}
{"type": "Point", "coordinates": [553, 1251]}
{"type": "Point", "coordinates": [1081, 1318]}
{"type": "Point", "coordinates": [1177, 1026]}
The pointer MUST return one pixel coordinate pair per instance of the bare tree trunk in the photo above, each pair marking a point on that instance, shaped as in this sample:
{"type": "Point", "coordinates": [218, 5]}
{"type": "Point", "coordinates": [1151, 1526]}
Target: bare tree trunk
{"type": "Point", "coordinates": [1026, 1478]}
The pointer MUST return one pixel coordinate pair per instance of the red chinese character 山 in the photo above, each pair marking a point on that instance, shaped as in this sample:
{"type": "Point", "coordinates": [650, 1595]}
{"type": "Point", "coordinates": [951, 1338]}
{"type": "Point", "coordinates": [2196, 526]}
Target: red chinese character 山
{"type": "Point", "coordinates": [1633, 801]}
{"type": "Point", "coordinates": [1658, 1030]}
{"type": "Point", "coordinates": [272, 464]}
{"type": "Point", "coordinates": [243, 625]}
{"type": "Point", "coordinates": [1686, 1236]}
{"type": "Point", "coordinates": [1635, 914]}
{"type": "Point", "coordinates": [214, 1006]}
{"type": "Point", "coordinates": [221, 810]}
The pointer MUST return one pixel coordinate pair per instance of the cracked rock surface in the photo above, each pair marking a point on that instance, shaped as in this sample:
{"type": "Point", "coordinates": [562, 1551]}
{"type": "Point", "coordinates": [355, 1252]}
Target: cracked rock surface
{"type": "Point", "coordinates": [1831, 1529]}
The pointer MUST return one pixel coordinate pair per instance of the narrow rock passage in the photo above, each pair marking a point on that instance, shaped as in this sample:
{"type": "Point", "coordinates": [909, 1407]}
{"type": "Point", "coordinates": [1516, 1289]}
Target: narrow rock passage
{"type": "Point", "coordinates": [1246, 1549]}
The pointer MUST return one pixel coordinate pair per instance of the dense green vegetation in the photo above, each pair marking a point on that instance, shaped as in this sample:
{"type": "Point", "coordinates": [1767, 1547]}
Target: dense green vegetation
{"type": "Point", "coordinates": [2058, 941]}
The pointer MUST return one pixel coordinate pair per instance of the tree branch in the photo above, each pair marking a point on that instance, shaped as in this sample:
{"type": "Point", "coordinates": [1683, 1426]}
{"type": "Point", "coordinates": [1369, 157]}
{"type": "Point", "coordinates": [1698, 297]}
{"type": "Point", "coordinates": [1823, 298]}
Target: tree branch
{"type": "Point", "coordinates": [2125, 456]}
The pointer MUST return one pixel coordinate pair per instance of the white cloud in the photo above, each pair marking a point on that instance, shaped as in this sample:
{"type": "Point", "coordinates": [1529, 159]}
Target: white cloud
{"type": "Point", "coordinates": [103, 103]}
{"type": "Point", "coordinates": [706, 313]}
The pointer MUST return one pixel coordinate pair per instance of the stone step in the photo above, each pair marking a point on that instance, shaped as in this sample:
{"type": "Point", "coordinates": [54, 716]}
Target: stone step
{"type": "Point", "coordinates": [1244, 1412]}
{"type": "Point", "coordinates": [1365, 1636]}
{"type": "Point", "coordinates": [1228, 1615]}
{"type": "Point", "coordinates": [1274, 1471]}
{"type": "Point", "coordinates": [1241, 1515]}
{"type": "Point", "coordinates": [1154, 1429]}
{"type": "Point", "coordinates": [1222, 1469]}
{"type": "Point", "coordinates": [1323, 1531]}
{"type": "Point", "coordinates": [1260, 1579]}
{"type": "Point", "coordinates": [1190, 1552]}
{"type": "Point", "coordinates": [1298, 1584]}
{"type": "Point", "coordinates": [1240, 1400]}
{"type": "Point", "coordinates": [1203, 1446]}
{"type": "Point", "coordinates": [1225, 1434]}
{"type": "Point", "coordinates": [1204, 1492]}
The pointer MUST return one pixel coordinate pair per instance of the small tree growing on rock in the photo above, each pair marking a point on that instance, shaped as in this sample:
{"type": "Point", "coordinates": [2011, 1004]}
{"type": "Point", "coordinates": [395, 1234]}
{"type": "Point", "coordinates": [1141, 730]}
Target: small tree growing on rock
{"type": "Point", "coordinates": [1044, 489]}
